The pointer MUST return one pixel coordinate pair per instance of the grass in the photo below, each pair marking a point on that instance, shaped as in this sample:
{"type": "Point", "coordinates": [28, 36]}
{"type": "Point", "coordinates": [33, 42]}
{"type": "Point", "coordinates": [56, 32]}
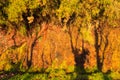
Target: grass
{"type": "Point", "coordinates": [61, 75]}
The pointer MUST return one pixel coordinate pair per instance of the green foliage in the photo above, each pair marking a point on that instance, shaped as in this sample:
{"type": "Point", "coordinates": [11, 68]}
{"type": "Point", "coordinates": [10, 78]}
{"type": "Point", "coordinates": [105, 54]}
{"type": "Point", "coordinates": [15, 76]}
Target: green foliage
{"type": "Point", "coordinates": [80, 13]}
{"type": "Point", "coordinates": [25, 76]}
{"type": "Point", "coordinates": [66, 9]}
{"type": "Point", "coordinates": [97, 76]}
{"type": "Point", "coordinates": [2, 11]}
{"type": "Point", "coordinates": [115, 75]}
{"type": "Point", "coordinates": [93, 69]}
{"type": "Point", "coordinates": [13, 58]}
{"type": "Point", "coordinates": [71, 76]}
{"type": "Point", "coordinates": [5, 63]}
{"type": "Point", "coordinates": [16, 9]}
{"type": "Point", "coordinates": [22, 30]}
{"type": "Point", "coordinates": [87, 35]}
{"type": "Point", "coordinates": [59, 72]}
{"type": "Point", "coordinates": [43, 76]}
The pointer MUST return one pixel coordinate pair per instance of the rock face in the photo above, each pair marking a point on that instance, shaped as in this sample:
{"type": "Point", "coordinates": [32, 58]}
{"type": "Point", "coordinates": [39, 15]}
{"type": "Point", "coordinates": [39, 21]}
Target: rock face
{"type": "Point", "coordinates": [55, 47]}
{"type": "Point", "coordinates": [111, 50]}
{"type": "Point", "coordinates": [59, 47]}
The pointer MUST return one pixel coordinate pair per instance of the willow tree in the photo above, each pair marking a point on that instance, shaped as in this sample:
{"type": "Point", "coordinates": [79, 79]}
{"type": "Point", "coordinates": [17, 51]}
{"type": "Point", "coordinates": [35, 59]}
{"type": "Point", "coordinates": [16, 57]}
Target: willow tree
{"type": "Point", "coordinates": [26, 17]}
{"type": "Point", "coordinates": [90, 15]}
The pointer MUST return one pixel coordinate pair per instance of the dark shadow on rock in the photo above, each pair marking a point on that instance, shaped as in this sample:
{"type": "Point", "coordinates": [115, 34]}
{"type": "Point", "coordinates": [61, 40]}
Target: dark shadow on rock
{"type": "Point", "coordinates": [97, 47]}
{"type": "Point", "coordinates": [98, 44]}
{"type": "Point", "coordinates": [80, 57]}
{"type": "Point", "coordinates": [80, 61]}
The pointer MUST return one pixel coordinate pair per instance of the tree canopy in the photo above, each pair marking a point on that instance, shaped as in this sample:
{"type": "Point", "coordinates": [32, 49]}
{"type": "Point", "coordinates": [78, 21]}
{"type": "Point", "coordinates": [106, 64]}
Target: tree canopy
{"type": "Point", "coordinates": [65, 12]}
